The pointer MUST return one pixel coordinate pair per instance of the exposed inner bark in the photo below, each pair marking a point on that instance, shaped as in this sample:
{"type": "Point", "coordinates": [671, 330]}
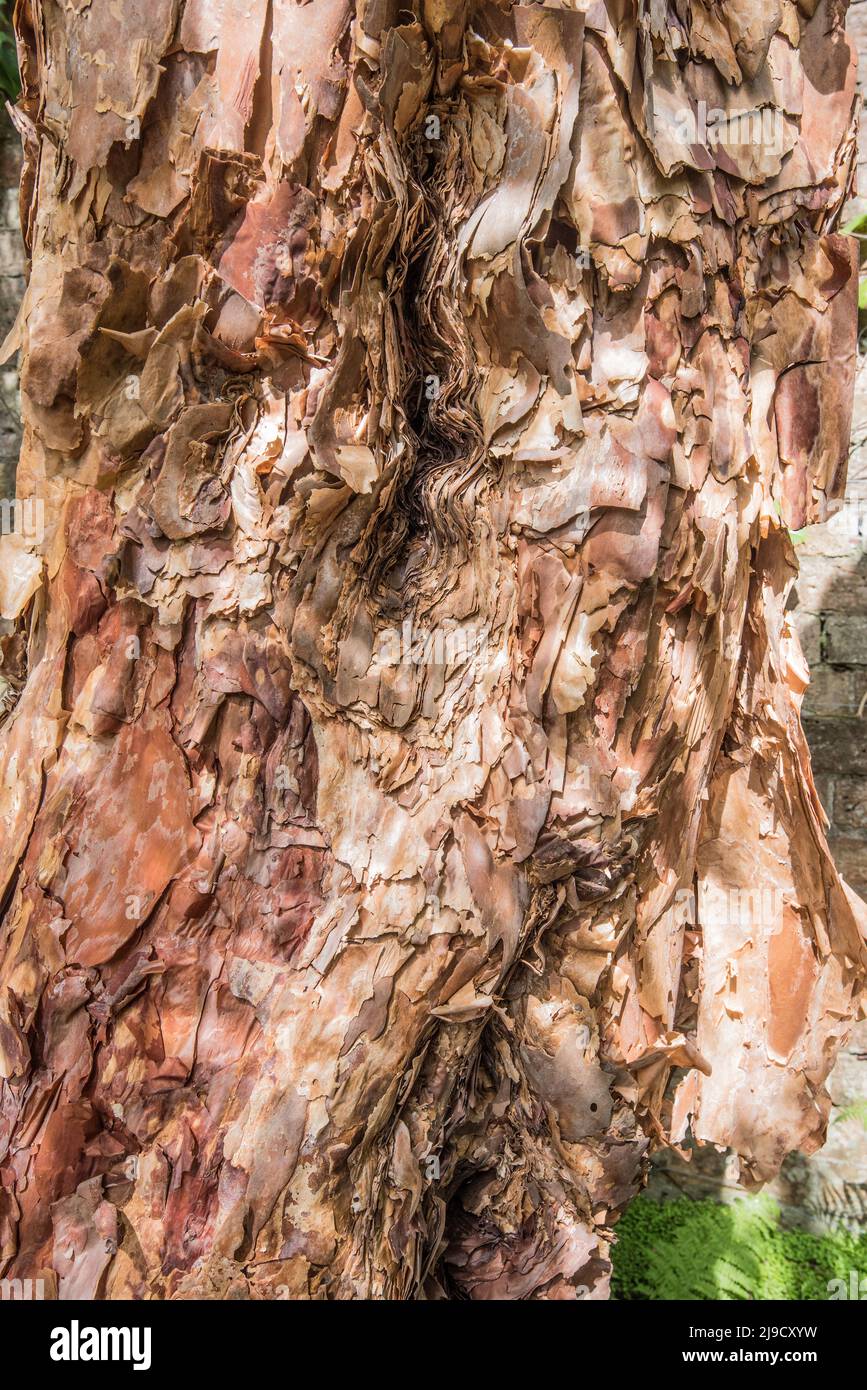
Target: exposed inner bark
{"type": "Point", "coordinates": [406, 816]}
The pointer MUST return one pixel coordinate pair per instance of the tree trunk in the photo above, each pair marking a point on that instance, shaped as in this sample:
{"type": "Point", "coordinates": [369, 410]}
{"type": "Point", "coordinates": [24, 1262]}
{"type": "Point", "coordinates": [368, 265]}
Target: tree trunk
{"type": "Point", "coordinates": [407, 822]}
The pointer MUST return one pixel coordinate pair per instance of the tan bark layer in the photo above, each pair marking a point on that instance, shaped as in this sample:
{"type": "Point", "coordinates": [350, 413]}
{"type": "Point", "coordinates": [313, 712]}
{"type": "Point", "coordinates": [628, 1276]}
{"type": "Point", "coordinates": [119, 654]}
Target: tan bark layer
{"type": "Point", "coordinates": [406, 816]}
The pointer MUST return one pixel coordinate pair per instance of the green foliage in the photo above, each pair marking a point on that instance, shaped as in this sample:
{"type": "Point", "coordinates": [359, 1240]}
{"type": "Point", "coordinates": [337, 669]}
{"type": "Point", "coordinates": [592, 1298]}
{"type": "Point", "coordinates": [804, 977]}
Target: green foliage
{"type": "Point", "coordinates": [682, 1250]}
{"type": "Point", "coordinates": [10, 85]}
{"type": "Point", "coordinates": [857, 227]}
{"type": "Point", "coordinates": [856, 1111]}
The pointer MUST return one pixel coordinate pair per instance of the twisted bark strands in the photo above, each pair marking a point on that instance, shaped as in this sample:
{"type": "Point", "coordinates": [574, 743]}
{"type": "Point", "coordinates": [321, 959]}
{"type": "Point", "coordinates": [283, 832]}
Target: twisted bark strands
{"type": "Point", "coordinates": [406, 816]}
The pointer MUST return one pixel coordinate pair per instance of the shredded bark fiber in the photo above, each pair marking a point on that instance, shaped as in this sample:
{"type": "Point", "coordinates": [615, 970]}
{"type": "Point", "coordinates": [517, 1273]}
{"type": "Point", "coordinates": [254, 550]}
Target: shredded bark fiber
{"type": "Point", "coordinates": [406, 819]}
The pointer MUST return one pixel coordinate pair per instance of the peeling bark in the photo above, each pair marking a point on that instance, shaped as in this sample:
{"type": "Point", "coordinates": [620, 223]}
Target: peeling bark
{"type": "Point", "coordinates": [407, 822]}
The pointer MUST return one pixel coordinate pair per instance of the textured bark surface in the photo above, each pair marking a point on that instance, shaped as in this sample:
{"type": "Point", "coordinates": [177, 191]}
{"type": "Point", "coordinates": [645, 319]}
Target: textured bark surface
{"type": "Point", "coordinates": [406, 816]}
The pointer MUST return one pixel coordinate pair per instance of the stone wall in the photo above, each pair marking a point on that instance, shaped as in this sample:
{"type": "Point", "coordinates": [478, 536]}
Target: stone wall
{"type": "Point", "coordinates": [831, 617]}
{"type": "Point", "coordinates": [832, 607]}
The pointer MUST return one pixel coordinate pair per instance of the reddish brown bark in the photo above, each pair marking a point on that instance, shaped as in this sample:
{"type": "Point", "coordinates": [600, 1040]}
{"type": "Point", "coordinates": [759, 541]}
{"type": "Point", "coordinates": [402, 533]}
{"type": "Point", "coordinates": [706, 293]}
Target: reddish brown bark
{"type": "Point", "coordinates": [406, 816]}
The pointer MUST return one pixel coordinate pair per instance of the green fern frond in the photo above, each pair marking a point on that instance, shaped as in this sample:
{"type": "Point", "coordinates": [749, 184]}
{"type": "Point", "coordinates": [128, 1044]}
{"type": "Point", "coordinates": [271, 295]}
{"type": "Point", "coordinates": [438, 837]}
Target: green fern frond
{"type": "Point", "coordinates": [857, 1110]}
{"type": "Point", "coordinates": [682, 1250]}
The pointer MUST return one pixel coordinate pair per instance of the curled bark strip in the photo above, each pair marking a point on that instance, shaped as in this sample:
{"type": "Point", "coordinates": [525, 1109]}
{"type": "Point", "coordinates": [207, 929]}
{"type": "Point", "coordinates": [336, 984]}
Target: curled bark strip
{"type": "Point", "coordinates": [406, 817]}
